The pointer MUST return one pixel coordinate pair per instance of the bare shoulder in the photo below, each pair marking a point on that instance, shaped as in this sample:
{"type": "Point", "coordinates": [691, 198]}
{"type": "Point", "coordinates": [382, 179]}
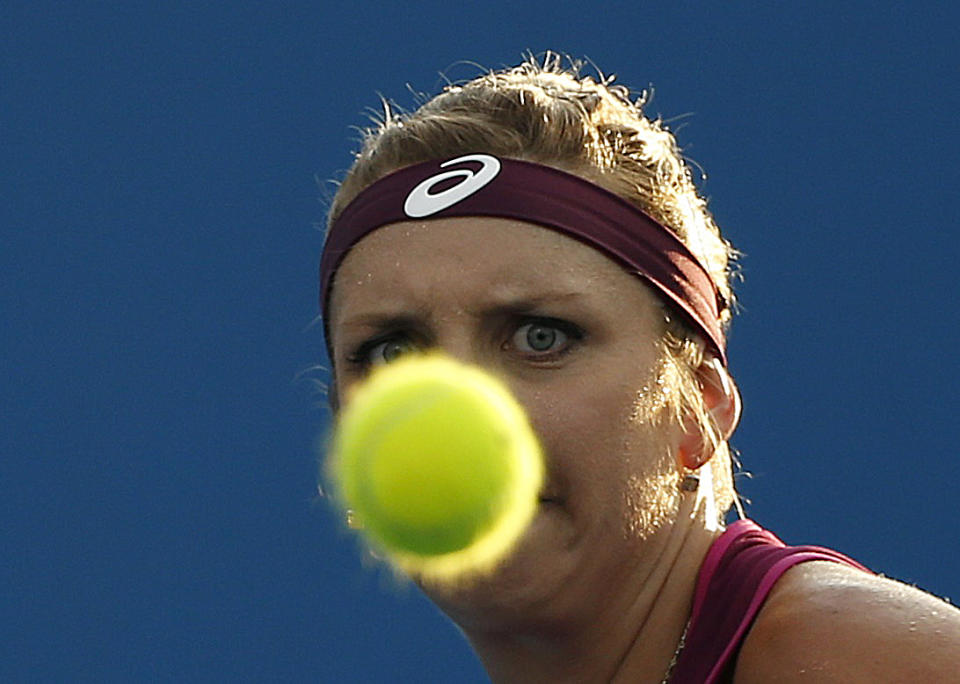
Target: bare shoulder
{"type": "Point", "coordinates": [826, 622]}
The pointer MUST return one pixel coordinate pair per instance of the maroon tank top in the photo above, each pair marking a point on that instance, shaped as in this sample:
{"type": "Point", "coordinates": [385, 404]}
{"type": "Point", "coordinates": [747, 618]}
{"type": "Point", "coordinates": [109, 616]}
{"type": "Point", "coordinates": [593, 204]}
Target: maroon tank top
{"type": "Point", "coordinates": [737, 574]}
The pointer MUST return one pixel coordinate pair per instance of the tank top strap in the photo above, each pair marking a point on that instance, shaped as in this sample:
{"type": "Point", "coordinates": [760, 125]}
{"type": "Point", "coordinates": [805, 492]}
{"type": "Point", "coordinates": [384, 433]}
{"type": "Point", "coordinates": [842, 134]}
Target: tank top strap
{"type": "Point", "coordinates": [735, 579]}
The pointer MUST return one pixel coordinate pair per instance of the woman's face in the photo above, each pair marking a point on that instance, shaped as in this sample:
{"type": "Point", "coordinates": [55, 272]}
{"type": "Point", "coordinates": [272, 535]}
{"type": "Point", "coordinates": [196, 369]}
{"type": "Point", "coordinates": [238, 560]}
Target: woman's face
{"type": "Point", "coordinates": [573, 336]}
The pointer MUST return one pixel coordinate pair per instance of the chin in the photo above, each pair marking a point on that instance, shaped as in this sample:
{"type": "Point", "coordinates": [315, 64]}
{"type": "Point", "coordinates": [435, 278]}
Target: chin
{"type": "Point", "coordinates": [522, 586]}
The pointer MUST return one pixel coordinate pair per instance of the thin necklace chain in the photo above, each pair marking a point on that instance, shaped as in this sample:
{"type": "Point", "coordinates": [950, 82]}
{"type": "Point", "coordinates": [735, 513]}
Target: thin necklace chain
{"type": "Point", "coordinates": [676, 655]}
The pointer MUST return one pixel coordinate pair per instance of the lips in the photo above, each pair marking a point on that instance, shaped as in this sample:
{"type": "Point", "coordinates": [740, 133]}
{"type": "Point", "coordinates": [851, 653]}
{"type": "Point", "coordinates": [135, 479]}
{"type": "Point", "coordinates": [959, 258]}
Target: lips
{"type": "Point", "coordinates": [550, 491]}
{"type": "Point", "coordinates": [551, 488]}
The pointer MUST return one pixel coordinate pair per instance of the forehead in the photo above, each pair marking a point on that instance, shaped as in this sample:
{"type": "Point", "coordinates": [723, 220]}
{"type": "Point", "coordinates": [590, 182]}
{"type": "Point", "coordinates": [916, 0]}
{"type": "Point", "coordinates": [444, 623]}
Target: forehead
{"type": "Point", "coordinates": [471, 259]}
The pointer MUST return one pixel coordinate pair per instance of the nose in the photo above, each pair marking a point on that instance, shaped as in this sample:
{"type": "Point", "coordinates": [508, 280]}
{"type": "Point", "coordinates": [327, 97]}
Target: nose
{"type": "Point", "coordinates": [462, 344]}
{"type": "Point", "coordinates": [466, 338]}
{"type": "Point", "coordinates": [471, 346]}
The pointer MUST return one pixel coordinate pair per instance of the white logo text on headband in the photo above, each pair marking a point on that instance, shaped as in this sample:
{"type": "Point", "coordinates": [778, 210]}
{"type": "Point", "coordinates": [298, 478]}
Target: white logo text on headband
{"type": "Point", "coordinates": [421, 203]}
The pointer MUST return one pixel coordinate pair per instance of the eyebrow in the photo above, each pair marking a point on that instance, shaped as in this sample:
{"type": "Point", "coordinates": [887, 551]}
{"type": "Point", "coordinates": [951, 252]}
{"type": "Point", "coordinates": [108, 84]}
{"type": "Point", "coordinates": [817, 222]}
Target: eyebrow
{"type": "Point", "coordinates": [519, 305]}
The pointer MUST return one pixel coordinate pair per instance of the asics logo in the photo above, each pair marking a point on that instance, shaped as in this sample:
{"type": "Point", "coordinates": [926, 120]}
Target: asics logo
{"type": "Point", "coordinates": [421, 203]}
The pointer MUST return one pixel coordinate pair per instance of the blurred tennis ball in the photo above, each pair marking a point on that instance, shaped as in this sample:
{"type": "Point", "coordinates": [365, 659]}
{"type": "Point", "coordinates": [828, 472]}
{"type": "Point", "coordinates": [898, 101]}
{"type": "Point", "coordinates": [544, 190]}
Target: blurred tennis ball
{"type": "Point", "coordinates": [438, 465]}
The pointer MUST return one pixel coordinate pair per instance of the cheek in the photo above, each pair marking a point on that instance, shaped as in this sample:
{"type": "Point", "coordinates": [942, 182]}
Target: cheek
{"type": "Point", "coordinates": [594, 430]}
{"type": "Point", "coordinates": [615, 471]}
{"type": "Point", "coordinates": [586, 432]}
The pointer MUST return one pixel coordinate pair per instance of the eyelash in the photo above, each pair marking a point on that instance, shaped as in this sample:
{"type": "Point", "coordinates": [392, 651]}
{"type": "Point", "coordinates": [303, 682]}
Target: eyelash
{"type": "Point", "coordinates": [360, 357]}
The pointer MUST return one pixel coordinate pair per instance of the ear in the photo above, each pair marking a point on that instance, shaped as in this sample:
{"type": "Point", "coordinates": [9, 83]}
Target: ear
{"type": "Point", "coordinates": [722, 399]}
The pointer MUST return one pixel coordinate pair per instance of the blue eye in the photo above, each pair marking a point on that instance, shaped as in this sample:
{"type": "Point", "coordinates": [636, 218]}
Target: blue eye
{"type": "Point", "coordinates": [544, 338]}
{"type": "Point", "coordinates": [379, 353]}
{"type": "Point", "coordinates": [537, 337]}
{"type": "Point", "coordinates": [388, 351]}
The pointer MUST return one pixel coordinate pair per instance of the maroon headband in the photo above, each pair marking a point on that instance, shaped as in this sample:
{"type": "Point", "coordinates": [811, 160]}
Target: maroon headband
{"type": "Point", "coordinates": [483, 185]}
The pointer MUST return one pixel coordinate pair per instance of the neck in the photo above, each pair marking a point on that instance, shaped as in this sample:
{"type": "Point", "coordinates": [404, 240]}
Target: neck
{"type": "Point", "coordinates": [628, 633]}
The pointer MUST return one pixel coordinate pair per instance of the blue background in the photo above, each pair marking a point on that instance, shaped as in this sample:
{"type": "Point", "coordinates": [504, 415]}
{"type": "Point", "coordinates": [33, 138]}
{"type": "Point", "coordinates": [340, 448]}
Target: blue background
{"type": "Point", "coordinates": [159, 213]}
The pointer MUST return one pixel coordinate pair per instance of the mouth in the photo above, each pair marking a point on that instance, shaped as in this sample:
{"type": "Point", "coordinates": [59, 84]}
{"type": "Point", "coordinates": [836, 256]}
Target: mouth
{"type": "Point", "coordinates": [552, 491]}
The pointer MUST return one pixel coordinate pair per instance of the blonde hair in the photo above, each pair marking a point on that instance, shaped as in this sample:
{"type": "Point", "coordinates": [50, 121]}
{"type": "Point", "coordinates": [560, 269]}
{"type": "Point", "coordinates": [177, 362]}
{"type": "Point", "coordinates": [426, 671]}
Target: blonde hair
{"type": "Point", "coordinates": [546, 112]}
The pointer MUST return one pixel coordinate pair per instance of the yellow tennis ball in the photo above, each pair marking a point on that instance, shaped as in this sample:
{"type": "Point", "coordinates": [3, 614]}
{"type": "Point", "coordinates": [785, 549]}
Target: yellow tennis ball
{"type": "Point", "coordinates": [438, 465]}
